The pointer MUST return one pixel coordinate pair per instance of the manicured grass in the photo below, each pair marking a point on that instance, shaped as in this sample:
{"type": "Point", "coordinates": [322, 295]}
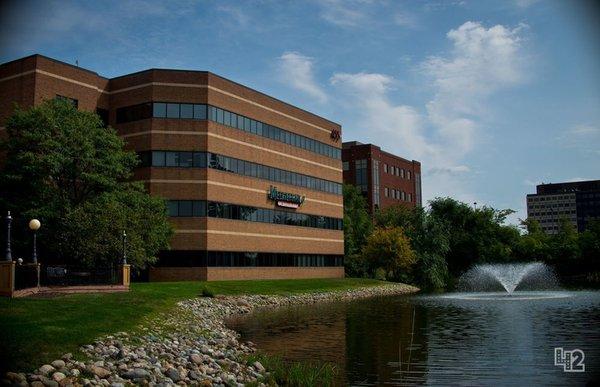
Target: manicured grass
{"type": "Point", "coordinates": [34, 331]}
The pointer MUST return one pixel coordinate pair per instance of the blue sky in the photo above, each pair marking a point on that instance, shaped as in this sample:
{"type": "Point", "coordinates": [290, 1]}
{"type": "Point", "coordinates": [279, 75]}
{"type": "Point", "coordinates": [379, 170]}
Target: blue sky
{"type": "Point", "coordinates": [492, 97]}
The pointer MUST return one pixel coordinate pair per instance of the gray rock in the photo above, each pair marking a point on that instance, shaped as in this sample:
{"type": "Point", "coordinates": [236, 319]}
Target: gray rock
{"type": "Point", "coordinates": [58, 364]}
{"type": "Point", "coordinates": [67, 356]}
{"type": "Point", "coordinates": [46, 369]}
{"type": "Point", "coordinates": [15, 377]}
{"type": "Point", "coordinates": [137, 373]}
{"type": "Point", "coordinates": [259, 367]}
{"type": "Point", "coordinates": [58, 376]}
{"type": "Point", "coordinates": [195, 358]}
{"type": "Point", "coordinates": [173, 374]}
{"type": "Point", "coordinates": [101, 372]}
{"type": "Point", "coordinates": [48, 382]}
{"type": "Point", "coordinates": [36, 383]}
{"type": "Point", "coordinates": [194, 375]}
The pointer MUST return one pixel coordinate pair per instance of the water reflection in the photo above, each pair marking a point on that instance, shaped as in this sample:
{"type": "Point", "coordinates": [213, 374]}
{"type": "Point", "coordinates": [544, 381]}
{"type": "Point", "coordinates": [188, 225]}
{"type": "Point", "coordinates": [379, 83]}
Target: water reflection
{"type": "Point", "coordinates": [437, 340]}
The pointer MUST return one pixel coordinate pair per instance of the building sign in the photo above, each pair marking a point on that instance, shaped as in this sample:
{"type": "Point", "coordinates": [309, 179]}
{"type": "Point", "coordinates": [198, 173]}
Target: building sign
{"type": "Point", "coordinates": [285, 199]}
{"type": "Point", "coordinates": [335, 135]}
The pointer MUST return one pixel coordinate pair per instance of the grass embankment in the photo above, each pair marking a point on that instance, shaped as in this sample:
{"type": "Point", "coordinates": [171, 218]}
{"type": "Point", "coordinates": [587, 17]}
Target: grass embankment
{"type": "Point", "coordinates": [34, 331]}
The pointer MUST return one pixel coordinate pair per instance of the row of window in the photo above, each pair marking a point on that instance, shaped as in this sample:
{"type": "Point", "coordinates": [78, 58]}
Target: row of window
{"type": "Point", "coordinates": [548, 213]}
{"type": "Point", "coordinates": [553, 205]}
{"type": "Point", "coordinates": [361, 174]}
{"type": "Point", "coordinates": [398, 194]}
{"type": "Point", "coordinates": [202, 208]}
{"type": "Point", "coordinates": [549, 198]}
{"type": "Point", "coordinates": [224, 117]}
{"type": "Point", "coordinates": [393, 170]}
{"type": "Point", "coordinates": [187, 258]}
{"type": "Point", "coordinates": [240, 167]}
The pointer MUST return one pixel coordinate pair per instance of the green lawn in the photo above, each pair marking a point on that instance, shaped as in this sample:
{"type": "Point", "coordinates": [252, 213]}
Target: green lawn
{"type": "Point", "coordinates": [34, 331]}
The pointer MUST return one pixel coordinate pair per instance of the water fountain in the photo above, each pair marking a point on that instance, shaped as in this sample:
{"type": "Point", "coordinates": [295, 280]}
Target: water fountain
{"type": "Point", "coordinates": [508, 277]}
{"type": "Point", "coordinates": [508, 281]}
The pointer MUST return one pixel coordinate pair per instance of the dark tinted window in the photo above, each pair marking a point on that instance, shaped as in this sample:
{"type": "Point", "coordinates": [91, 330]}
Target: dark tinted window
{"type": "Point", "coordinates": [159, 110]}
{"type": "Point", "coordinates": [187, 111]}
{"type": "Point", "coordinates": [200, 112]}
{"type": "Point", "coordinates": [172, 110]}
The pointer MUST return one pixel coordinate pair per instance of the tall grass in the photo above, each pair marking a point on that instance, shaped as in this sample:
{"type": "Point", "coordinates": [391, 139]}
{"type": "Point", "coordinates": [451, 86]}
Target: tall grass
{"type": "Point", "coordinates": [282, 373]}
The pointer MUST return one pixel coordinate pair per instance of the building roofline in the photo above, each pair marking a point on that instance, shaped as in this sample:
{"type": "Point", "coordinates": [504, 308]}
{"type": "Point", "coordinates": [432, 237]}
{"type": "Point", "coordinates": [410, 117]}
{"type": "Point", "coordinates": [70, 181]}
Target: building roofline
{"type": "Point", "coordinates": [359, 144]}
{"type": "Point", "coordinates": [569, 182]}
{"type": "Point", "coordinates": [55, 61]}
{"type": "Point", "coordinates": [231, 81]}
{"type": "Point", "coordinates": [170, 70]}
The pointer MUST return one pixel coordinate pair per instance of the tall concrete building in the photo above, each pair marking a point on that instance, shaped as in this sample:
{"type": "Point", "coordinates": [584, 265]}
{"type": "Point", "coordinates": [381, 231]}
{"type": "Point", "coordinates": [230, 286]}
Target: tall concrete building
{"type": "Point", "coordinates": [254, 185]}
{"type": "Point", "coordinates": [578, 202]}
{"type": "Point", "coordinates": [383, 178]}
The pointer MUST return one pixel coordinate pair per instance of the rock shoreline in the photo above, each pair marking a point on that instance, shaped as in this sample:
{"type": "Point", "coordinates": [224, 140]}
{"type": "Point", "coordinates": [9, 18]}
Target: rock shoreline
{"type": "Point", "coordinates": [189, 346]}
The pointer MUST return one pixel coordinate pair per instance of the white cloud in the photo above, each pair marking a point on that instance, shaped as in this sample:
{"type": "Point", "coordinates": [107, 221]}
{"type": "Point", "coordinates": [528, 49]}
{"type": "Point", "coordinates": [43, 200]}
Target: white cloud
{"type": "Point", "coordinates": [297, 71]}
{"type": "Point", "coordinates": [344, 13]}
{"type": "Point", "coordinates": [455, 170]}
{"type": "Point", "coordinates": [584, 130]}
{"type": "Point", "coordinates": [399, 127]}
{"type": "Point", "coordinates": [582, 137]}
{"type": "Point", "coordinates": [234, 15]}
{"type": "Point", "coordinates": [404, 19]}
{"type": "Point", "coordinates": [482, 61]}
{"type": "Point", "coordinates": [440, 134]}
{"type": "Point", "coordinates": [525, 3]}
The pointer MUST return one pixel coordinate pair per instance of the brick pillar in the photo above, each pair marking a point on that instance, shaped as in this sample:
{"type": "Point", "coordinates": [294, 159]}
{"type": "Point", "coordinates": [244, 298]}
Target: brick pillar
{"type": "Point", "coordinates": [125, 275]}
{"type": "Point", "coordinates": [7, 278]}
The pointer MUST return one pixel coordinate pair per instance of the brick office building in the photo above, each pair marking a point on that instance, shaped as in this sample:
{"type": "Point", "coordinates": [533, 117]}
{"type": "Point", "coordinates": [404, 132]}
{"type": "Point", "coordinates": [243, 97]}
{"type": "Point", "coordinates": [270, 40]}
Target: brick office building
{"type": "Point", "coordinates": [385, 179]}
{"type": "Point", "coordinates": [253, 184]}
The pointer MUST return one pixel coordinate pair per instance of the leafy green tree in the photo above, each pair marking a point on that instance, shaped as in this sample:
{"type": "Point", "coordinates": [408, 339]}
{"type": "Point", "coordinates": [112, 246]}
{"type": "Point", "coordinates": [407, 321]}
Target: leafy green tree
{"type": "Point", "coordinates": [92, 233]}
{"type": "Point", "coordinates": [534, 244]}
{"type": "Point", "coordinates": [389, 249]}
{"type": "Point", "coordinates": [564, 245]}
{"type": "Point", "coordinates": [428, 238]}
{"type": "Point", "coordinates": [65, 168]}
{"type": "Point", "coordinates": [475, 235]}
{"type": "Point", "coordinates": [357, 227]}
{"type": "Point", "coordinates": [589, 242]}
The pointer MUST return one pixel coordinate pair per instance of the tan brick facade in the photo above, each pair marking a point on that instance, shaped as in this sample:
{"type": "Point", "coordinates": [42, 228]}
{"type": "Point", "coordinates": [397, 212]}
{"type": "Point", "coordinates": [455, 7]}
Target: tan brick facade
{"type": "Point", "coordinates": [167, 274]}
{"type": "Point", "coordinates": [31, 80]}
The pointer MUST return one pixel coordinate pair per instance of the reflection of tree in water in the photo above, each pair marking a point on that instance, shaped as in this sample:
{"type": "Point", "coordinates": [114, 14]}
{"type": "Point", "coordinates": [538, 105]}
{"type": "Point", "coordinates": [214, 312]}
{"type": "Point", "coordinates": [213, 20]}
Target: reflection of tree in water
{"type": "Point", "coordinates": [246, 212]}
{"type": "Point", "coordinates": [386, 353]}
{"type": "Point", "coordinates": [297, 333]}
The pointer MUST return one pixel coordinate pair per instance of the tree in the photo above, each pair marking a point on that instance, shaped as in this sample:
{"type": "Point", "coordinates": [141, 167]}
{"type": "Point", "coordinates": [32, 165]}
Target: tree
{"type": "Point", "coordinates": [475, 235]}
{"type": "Point", "coordinates": [533, 245]}
{"type": "Point", "coordinates": [429, 239]}
{"type": "Point", "coordinates": [65, 168]}
{"type": "Point", "coordinates": [92, 233]}
{"type": "Point", "coordinates": [390, 250]}
{"type": "Point", "coordinates": [357, 227]}
{"type": "Point", "coordinates": [589, 242]}
{"type": "Point", "coordinates": [564, 244]}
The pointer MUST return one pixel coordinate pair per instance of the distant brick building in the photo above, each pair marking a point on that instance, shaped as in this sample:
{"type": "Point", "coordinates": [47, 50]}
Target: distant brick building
{"type": "Point", "coordinates": [253, 184]}
{"type": "Point", "coordinates": [578, 202]}
{"type": "Point", "coordinates": [383, 178]}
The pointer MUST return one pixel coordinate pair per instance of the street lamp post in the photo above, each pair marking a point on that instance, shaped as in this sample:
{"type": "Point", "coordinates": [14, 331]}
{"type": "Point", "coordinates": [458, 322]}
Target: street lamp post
{"type": "Point", "coordinates": [124, 248]}
{"type": "Point", "coordinates": [8, 256]}
{"type": "Point", "coordinates": [34, 225]}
